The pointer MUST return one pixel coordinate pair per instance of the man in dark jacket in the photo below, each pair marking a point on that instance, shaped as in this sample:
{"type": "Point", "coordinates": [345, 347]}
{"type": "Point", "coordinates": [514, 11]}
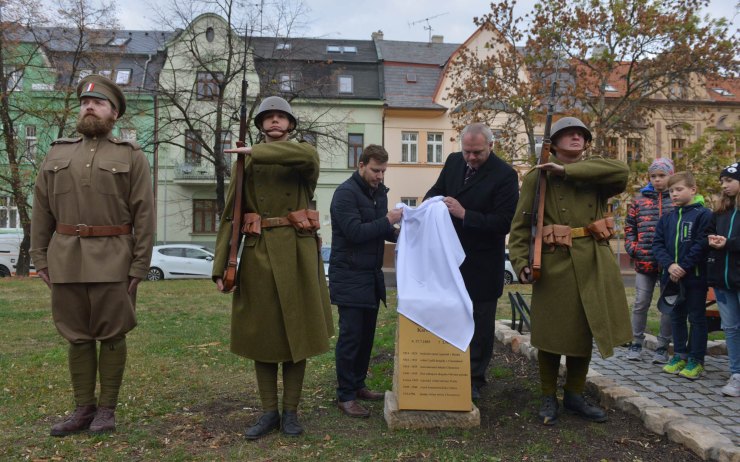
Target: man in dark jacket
{"type": "Point", "coordinates": [481, 192]}
{"type": "Point", "coordinates": [361, 223]}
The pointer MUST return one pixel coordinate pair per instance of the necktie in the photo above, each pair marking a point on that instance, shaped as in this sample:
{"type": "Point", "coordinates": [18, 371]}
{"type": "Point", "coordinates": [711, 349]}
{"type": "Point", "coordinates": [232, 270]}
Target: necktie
{"type": "Point", "coordinates": [469, 173]}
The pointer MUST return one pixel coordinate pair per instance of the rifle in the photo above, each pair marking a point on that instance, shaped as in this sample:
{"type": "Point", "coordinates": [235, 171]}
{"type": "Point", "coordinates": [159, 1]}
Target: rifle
{"type": "Point", "coordinates": [538, 204]}
{"type": "Point", "coordinates": [230, 271]}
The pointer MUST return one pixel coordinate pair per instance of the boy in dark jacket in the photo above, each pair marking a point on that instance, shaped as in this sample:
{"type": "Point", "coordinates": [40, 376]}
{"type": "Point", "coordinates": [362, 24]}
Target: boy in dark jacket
{"type": "Point", "coordinates": [361, 223]}
{"type": "Point", "coordinates": [648, 207]}
{"type": "Point", "coordinates": [680, 247]}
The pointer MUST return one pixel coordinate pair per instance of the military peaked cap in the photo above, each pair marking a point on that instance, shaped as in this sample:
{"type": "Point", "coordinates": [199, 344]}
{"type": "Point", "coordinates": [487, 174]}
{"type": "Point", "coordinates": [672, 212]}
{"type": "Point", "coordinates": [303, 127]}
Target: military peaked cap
{"type": "Point", "coordinates": [97, 86]}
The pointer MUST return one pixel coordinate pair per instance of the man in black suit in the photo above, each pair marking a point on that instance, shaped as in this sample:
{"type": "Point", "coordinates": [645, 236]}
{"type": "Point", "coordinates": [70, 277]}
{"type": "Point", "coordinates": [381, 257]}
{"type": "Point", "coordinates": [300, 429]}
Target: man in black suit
{"type": "Point", "coordinates": [481, 192]}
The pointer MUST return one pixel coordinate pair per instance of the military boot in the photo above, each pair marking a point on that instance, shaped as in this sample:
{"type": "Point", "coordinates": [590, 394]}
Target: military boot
{"type": "Point", "coordinates": [268, 422]}
{"type": "Point", "coordinates": [77, 422]}
{"type": "Point", "coordinates": [549, 410]}
{"type": "Point", "coordinates": [578, 405]}
{"type": "Point", "coordinates": [105, 420]}
{"type": "Point", "coordinates": [290, 424]}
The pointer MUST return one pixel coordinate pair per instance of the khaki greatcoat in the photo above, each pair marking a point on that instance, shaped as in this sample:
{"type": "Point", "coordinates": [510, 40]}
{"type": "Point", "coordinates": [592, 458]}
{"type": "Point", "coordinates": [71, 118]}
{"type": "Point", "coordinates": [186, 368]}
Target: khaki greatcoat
{"type": "Point", "coordinates": [580, 295]}
{"type": "Point", "coordinates": [280, 310]}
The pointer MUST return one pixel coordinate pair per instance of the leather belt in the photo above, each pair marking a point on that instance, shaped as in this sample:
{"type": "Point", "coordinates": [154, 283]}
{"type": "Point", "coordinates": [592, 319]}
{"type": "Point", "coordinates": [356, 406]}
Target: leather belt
{"type": "Point", "coordinates": [275, 221]}
{"type": "Point", "coordinates": [579, 232]}
{"type": "Point", "coordinates": [93, 231]}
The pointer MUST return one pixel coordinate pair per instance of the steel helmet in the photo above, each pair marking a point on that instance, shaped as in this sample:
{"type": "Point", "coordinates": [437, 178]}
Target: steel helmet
{"type": "Point", "coordinates": [274, 103]}
{"type": "Point", "coordinates": [568, 122]}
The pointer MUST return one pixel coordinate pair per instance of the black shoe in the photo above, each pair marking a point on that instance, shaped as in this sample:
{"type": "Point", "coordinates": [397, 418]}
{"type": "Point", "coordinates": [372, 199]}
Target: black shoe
{"type": "Point", "coordinates": [290, 424]}
{"type": "Point", "coordinates": [578, 405]}
{"type": "Point", "coordinates": [549, 410]}
{"type": "Point", "coordinates": [475, 392]}
{"type": "Point", "coordinates": [268, 422]}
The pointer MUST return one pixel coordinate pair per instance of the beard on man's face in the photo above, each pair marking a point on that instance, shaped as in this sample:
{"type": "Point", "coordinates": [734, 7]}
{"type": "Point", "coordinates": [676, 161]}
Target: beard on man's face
{"type": "Point", "coordinates": [92, 125]}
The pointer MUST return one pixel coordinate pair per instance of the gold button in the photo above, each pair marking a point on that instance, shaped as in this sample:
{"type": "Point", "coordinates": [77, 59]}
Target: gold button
{"type": "Point", "coordinates": [56, 167]}
{"type": "Point", "coordinates": [93, 149]}
{"type": "Point", "coordinates": [87, 165]}
{"type": "Point", "coordinates": [113, 169]}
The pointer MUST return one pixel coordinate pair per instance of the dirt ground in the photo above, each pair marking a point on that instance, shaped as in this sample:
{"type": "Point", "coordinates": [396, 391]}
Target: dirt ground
{"type": "Point", "coordinates": [510, 429]}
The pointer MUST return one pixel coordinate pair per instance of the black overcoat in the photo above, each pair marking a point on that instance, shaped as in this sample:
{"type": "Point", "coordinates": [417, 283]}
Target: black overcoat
{"type": "Point", "coordinates": [489, 199]}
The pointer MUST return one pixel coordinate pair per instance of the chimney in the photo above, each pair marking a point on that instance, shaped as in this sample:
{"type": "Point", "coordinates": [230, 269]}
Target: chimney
{"type": "Point", "coordinates": [377, 35]}
{"type": "Point", "coordinates": [438, 39]}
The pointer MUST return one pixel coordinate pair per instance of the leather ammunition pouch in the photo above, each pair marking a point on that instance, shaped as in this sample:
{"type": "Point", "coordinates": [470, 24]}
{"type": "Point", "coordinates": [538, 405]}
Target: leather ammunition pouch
{"type": "Point", "coordinates": [304, 221]}
{"type": "Point", "coordinates": [557, 235]}
{"type": "Point", "coordinates": [602, 229]}
{"type": "Point", "coordinates": [563, 235]}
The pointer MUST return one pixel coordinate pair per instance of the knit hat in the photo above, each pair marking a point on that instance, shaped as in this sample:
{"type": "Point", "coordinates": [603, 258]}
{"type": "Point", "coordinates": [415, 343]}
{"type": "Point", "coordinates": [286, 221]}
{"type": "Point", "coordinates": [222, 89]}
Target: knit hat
{"type": "Point", "coordinates": [662, 164]}
{"type": "Point", "coordinates": [731, 171]}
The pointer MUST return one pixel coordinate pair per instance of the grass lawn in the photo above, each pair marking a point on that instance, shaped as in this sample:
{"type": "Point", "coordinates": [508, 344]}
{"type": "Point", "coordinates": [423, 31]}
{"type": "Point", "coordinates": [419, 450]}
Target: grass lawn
{"type": "Point", "coordinates": [186, 397]}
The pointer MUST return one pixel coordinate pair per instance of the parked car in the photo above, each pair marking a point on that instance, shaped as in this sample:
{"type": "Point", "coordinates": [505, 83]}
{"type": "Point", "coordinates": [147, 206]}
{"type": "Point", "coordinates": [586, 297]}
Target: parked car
{"type": "Point", "coordinates": [325, 254]}
{"type": "Point", "coordinates": [180, 261]}
{"type": "Point", "coordinates": [10, 243]}
{"type": "Point", "coordinates": [509, 274]}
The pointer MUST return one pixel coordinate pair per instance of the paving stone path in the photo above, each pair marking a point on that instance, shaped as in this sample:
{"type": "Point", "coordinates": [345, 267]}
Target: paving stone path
{"type": "Point", "coordinates": [701, 400]}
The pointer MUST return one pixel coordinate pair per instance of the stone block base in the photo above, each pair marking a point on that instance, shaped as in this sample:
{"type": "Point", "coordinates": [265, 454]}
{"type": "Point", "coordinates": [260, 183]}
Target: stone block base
{"type": "Point", "coordinates": [398, 419]}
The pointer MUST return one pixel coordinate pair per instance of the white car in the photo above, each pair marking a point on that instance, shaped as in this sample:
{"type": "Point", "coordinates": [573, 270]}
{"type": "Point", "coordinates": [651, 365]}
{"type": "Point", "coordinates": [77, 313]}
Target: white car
{"type": "Point", "coordinates": [509, 275]}
{"type": "Point", "coordinates": [180, 261]}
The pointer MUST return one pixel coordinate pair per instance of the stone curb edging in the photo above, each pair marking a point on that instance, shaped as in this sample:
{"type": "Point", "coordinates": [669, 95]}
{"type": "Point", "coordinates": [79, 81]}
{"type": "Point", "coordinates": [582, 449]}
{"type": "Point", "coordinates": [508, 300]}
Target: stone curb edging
{"type": "Point", "coordinates": [702, 441]}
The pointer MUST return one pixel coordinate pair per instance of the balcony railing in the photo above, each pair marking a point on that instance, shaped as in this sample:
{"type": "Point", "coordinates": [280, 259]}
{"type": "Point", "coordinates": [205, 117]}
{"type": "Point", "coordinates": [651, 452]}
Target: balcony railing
{"type": "Point", "coordinates": [203, 172]}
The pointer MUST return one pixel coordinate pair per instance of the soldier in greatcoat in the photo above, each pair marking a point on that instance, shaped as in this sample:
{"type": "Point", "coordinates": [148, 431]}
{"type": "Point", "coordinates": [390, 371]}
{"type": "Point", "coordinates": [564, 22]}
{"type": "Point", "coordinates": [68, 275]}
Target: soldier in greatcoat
{"type": "Point", "coordinates": [579, 296]}
{"type": "Point", "coordinates": [281, 312]}
{"type": "Point", "coordinates": [91, 239]}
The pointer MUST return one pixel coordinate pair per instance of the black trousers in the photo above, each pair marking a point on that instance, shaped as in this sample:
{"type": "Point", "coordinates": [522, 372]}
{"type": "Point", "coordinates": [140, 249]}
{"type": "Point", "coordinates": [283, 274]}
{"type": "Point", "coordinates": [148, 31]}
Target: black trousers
{"type": "Point", "coordinates": [481, 346]}
{"type": "Point", "coordinates": [354, 345]}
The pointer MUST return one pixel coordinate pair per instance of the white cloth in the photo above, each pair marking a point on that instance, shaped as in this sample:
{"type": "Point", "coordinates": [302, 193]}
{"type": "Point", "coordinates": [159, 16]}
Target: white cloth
{"type": "Point", "coordinates": [431, 290]}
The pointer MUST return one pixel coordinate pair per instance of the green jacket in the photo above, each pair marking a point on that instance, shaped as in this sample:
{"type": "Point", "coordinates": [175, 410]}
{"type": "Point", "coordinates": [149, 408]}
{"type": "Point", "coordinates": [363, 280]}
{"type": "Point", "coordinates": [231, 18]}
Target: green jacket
{"type": "Point", "coordinates": [281, 310]}
{"type": "Point", "coordinates": [579, 295]}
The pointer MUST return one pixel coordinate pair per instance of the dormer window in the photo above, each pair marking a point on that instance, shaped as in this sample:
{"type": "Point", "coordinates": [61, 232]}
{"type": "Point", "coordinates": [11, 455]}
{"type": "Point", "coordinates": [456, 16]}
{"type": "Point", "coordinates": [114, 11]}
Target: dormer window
{"type": "Point", "coordinates": [609, 88]}
{"type": "Point", "coordinates": [118, 41]}
{"type": "Point", "coordinates": [722, 91]}
{"type": "Point", "coordinates": [411, 77]}
{"type": "Point", "coordinates": [282, 46]}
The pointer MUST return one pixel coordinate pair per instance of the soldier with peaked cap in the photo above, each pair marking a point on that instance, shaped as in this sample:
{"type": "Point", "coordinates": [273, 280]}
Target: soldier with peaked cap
{"type": "Point", "coordinates": [579, 296]}
{"type": "Point", "coordinates": [280, 311]}
{"type": "Point", "coordinates": [91, 239]}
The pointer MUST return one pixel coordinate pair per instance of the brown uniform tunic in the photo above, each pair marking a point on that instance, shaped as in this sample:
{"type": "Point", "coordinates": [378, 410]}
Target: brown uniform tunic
{"type": "Point", "coordinates": [94, 181]}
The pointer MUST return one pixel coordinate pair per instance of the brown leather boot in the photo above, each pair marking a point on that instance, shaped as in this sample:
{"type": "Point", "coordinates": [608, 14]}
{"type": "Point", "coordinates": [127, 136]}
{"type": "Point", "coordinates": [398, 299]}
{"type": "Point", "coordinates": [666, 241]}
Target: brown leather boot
{"type": "Point", "coordinates": [105, 420]}
{"type": "Point", "coordinates": [369, 395]}
{"type": "Point", "coordinates": [353, 409]}
{"type": "Point", "coordinates": [77, 422]}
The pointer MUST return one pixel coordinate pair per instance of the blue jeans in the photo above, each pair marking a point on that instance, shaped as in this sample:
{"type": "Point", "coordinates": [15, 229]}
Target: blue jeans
{"type": "Point", "coordinates": [729, 310]}
{"type": "Point", "coordinates": [644, 288]}
{"type": "Point", "coordinates": [691, 343]}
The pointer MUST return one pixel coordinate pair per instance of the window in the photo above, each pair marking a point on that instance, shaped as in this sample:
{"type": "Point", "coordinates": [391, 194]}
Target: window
{"type": "Point", "coordinates": [107, 73]}
{"type": "Point", "coordinates": [195, 253]}
{"type": "Point", "coordinates": [282, 46]}
{"type": "Point", "coordinates": [288, 82]}
{"type": "Point", "coordinates": [225, 143]}
{"type": "Point", "coordinates": [207, 84]}
{"type": "Point", "coordinates": [434, 148]}
{"type": "Point", "coordinates": [411, 77]}
{"type": "Point", "coordinates": [128, 134]}
{"type": "Point", "coordinates": [609, 88]}
{"type": "Point", "coordinates": [409, 146]}
{"type": "Point", "coordinates": [204, 215]}
{"type": "Point", "coordinates": [677, 145]}
{"type": "Point", "coordinates": [612, 147]}
{"type": "Point", "coordinates": [210, 34]}
{"type": "Point", "coordinates": [349, 49]}
{"type": "Point", "coordinates": [634, 149]}
{"type": "Point", "coordinates": [410, 201]}
{"type": "Point", "coordinates": [311, 138]}
{"type": "Point", "coordinates": [723, 92]}
{"type": "Point", "coordinates": [15, 79]}
{"type": "Point", "coordinates": [192, 147]}
{"type": "Point", "coordinates": [123, 76]}
{"type": "Point", "coordinates": [31, 142]}
{"type": "Point", "coordinates": [84, 73]}
{"type": "Point", "coordinates": [345, 84]}
{"type": "Point", "coordinates": [355, 141]}
{"type": "Point", "coordinates": [9, 217]}
{"type": "Point", "coordinates": [341, 49]}
{"type": "Point", "coordinates": [118, 41]}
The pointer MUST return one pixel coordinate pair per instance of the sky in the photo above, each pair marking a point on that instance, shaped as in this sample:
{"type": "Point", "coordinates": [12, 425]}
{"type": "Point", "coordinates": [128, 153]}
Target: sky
{"type": "Point", "coordinates": [398, 19]}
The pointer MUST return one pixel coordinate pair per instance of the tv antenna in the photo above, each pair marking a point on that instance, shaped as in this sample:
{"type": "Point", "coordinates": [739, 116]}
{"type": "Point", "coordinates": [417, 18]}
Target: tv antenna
{"type": "Point", "coordinates": [428, 26]}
